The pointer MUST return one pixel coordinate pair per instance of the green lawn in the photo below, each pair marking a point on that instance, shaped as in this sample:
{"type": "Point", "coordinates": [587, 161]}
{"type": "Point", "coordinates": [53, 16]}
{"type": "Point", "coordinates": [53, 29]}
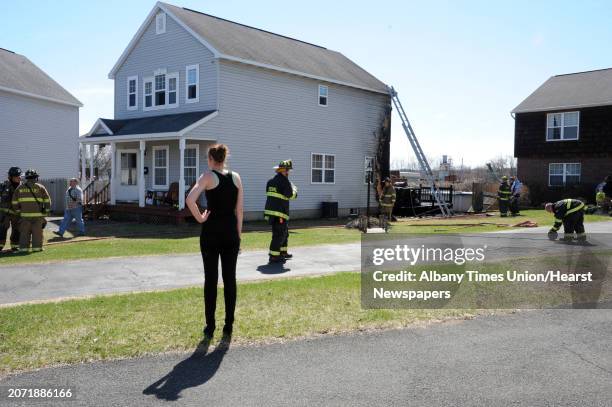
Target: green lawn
{"type": "Point", "coordinates": [132, 239]}
{"type": "Point", "coordinates": [37, 335]}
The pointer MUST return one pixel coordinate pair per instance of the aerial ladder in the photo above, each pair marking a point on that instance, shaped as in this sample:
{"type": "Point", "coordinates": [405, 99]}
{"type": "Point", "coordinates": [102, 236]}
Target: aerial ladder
{"type": "Point", "coordinates": [418, 151]}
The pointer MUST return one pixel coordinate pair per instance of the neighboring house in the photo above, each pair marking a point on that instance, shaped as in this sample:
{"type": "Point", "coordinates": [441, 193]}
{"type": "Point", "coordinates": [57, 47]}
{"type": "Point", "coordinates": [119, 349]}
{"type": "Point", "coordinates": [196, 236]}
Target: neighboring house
{"type": "Point", "coordinates": [39, 121]}
{"type": "Point", "coordinates": [563, 136]}
{"type": "Point", "coordinates": [188, 80]}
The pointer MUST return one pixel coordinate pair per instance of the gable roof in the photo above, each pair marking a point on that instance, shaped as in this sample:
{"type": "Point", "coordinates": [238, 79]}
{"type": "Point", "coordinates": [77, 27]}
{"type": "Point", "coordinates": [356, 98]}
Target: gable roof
{"type": "Point", "coordinates": [19, 75]}
{"type": "Point", "coordinates": [241, 43]}
{"type": "Point", "coordinates": [568, 91]}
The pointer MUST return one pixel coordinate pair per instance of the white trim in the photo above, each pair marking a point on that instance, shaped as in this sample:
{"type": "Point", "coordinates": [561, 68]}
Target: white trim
{"type": "Point", "coordinates": [319, 96]}
{"type": "Point", "coordinates": [165, 148]}
{"type": "Point", "coordinates": [567, 107]}
{"type": "Point", "coordinates": [135, 107]}
{"type": "Point", "coordinates": [98, 122]}
{"type": "Point", "coordinates": [198, 123]}
{"type": "Point", "coordinates": [129, 151]}
{"type": "Point", "coordinates": [197, 166]}
{"type": "Point", "coordinates": [565, 173]}
{"type": "Point", "coordinates": [160, 17]}
{"type": "Point", "coordinates": [142, 186]}
{"type": "Point", "coordinates": [138, 137]}
{"type": "Point", "coordinates": [168, 76]}
{"type": "Point", "coordinates": [181, 202]}
{"type": "Point", "coordinates": [35, 96]}
{"type": "Point", "coordinates": [174, 75]}
{"type": "Point", "coordinates": [143, 27]}
{"type": "Point", "coordinates": [563, 126]}
{"type": "Point", "coordinates": [323, 168]}
{"type": "Point", "coordinates": [197, 69]}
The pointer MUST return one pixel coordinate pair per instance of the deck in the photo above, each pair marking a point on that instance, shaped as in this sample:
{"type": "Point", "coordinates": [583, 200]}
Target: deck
{"type": "Point", "coordinates": [148, 214]}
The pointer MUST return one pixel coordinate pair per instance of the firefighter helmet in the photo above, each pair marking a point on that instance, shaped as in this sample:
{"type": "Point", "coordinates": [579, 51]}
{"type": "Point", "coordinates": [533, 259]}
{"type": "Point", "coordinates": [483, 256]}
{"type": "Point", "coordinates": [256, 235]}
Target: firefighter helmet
{"type": "Point", "coordinates": [284, 165]}
{"type": "Point", "coordinates": [14, 172]}
{"type": "Point", "coordinates": [31, 174]}
{"type": "Point", "coordinates": [504, 178]}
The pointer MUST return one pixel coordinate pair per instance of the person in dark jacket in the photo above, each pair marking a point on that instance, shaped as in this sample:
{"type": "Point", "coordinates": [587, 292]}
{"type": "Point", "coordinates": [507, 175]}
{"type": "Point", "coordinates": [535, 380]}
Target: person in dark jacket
{"type": "Point", "coordinates": [279, 190]}
{"type": "Point", "coordinates": [9, 218]}
{"type": "Point", "coordinates": [503, 196]}
{"type": "Point", "coordinates": [570, 214]}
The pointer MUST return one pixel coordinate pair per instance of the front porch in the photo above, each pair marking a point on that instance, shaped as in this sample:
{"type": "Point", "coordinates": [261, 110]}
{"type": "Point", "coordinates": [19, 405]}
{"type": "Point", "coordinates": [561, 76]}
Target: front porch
{"type": "Point", "coordinates": [150, 173]}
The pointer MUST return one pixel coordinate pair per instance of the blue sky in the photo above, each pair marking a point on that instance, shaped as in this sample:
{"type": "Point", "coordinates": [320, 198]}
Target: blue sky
{"type": "Point", "coordinates": [459, 66]}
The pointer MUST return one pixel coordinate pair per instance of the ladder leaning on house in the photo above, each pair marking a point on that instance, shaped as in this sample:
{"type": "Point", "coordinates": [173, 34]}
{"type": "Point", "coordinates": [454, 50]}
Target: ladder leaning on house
{"type": "Point", "coordinates": [425, 168]}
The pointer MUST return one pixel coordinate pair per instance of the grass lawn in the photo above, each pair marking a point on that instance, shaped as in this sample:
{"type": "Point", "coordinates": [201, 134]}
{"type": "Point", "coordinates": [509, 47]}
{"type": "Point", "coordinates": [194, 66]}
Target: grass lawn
{"type": "Point", "coordinates": [132, 239]}
{"type": "Point", "coordinates": [119, 326]}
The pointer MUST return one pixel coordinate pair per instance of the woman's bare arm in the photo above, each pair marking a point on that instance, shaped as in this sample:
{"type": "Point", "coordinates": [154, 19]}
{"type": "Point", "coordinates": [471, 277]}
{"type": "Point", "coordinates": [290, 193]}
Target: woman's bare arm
{"type": "Point", "coordinates": [193, 196]}
{"type": "Point", "coordinates": [239, 204]}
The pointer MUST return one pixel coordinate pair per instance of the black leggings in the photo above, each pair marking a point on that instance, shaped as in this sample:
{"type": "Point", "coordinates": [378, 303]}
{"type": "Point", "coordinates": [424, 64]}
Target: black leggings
{"type": "Point", "coordinates": [227, 250]}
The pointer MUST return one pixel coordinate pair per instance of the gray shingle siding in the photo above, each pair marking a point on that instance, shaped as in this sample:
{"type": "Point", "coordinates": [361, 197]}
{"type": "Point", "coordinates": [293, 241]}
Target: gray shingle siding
{"type": "Point", "coordinates": [38, 134]}
{"type": "Point", "coordinates": [174, 50]}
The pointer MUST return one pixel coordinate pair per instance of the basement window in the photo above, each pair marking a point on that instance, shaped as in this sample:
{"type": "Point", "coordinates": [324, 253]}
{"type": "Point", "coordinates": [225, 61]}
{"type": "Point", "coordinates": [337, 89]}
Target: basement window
{"type": "Point", "coordinates": [323, 94]}
{"type": "Point", "coordinates": [562, 126]}
{"type": "Point", "coordinates": [323, 168]}
{"type": "Point", "coordinates": [160, 23]}
{"type": "Point", "coordinates": [563, 174]}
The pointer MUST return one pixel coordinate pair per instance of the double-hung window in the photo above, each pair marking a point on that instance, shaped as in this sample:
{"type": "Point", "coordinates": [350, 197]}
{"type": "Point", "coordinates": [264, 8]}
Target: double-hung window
{"type": "Point", "coordinates": [173, 80]}
{"type": "Point", "coordinates": [148, 93]}
{"type": "Point", "coordinates": [563, 174]}
{"type": "Point", "coordinates": [160, 167]}
{"type": "Point", "coordinates": [323, 168]}
{"type": "Point", "coordinates": [132, 88]}
{"type": "Point", "coordinates": [192, 83]}
{"type": "Point", "coordinates": [323, 94]}
{"type": "Point", "coordinates": [160, 90]}
{"type": "Point", "coordinates": [562, 126]}
{"type": "Point", "coordinates": [191, 164]}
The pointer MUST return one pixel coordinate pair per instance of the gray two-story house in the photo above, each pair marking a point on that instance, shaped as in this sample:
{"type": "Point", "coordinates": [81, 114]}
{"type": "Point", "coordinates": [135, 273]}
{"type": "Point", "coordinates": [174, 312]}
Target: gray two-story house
{"type": "Point", "coordinates": [187, 80]}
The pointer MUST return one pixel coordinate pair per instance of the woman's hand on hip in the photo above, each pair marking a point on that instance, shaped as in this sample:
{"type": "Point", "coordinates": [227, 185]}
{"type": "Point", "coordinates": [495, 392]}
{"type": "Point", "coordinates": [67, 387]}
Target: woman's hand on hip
{"type": "Point", "coordinates": [204, 216]}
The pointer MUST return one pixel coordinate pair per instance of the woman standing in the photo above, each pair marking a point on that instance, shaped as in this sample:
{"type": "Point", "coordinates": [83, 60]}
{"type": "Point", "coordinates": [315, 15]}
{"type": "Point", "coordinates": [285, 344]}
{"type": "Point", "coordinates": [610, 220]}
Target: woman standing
{"type": "Point", "coordinates": [221, 231]}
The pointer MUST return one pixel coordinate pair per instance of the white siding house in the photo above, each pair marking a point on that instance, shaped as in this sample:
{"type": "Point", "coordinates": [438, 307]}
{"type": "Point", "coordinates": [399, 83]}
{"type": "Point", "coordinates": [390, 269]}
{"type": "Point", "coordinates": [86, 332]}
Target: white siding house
{"type": "Point", "coordinates": [188, 80]}
{"type": "Point", "coordinates": [39, 120]}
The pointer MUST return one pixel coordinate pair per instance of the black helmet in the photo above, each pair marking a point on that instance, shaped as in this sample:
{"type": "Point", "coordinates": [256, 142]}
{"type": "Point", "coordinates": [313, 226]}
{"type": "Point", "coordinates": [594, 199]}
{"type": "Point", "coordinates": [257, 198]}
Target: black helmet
{"type": "Point", "coordinates": [14, 172]}
{"type": "Point", "coordinates": [31, 174]}
{"type": "Point", "coordinates": [284, 165]}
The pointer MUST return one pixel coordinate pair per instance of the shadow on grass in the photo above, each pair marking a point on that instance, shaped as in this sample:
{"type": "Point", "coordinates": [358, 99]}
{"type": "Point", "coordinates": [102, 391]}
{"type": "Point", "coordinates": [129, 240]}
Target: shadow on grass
{"type": "Point", "coordinates": [194, 371]}
{"type": "Point", "coordinates": [273, 268]}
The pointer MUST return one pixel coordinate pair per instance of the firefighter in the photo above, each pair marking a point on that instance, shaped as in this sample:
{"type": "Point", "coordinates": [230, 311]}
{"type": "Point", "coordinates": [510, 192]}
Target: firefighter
{"type": "Point", "coordinates": [387, 199]}
{"type": "Point", "coordinates": [570, 213]}
{"type": "Point", "coordinates": [8, 217]}
{"type": "Point", "coordinates": [31, 200]}
{"type": "Point", "coordinates": [279, 190]}
{"type": "Point", "coordinates": [515, 195]}
{"type": "Point", "coordinates": [503, 196]}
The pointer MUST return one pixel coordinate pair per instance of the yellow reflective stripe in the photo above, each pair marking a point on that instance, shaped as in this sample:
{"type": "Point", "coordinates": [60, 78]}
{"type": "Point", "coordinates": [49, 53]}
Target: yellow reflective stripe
{"type": "Point", "coordinates": [274, 253]}
{"type": "Point", "coordinates": [32, 215]}
{"type": "Point", "coordinates": [277, 214]}
{"type": "Point", "coordinates": [568, 203]}
{"type": "Point", "coordinates": [28, 199]}
{"type": "Point", "coordinates": [574, 209]}
{"type": "Point", "coordinates": [277, 195]}
{"type": "Point", "coordinates": [4, 209]}
{"type": "Point", "coordinates": [284, 249]}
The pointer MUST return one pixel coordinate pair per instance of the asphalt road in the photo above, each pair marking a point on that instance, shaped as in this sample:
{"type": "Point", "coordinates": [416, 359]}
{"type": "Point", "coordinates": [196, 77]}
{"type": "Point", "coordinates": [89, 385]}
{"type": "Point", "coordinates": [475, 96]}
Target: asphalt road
{"type": "Point", "coordinates": [39, 282]}
{"type": "Point", "coordinates": [535, 358]}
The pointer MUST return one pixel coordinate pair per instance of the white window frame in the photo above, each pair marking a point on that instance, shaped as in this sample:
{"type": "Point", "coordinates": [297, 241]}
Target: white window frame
{"type": "Point", "coordinates": [323, 169]}
{"type": "Point", "coordinates": [144, 95]}
{"type": "Point", "coordinates": [197, 167]}
{"type": "Point", "coordinates": [197, 69]}
{"type": "Point", "coordinates": [160, 17]}
{"type": "Point", "coordinates": [135, 93]}
{"type": "Point", "coordinates": [319, 96]}
{"type": "Point", "coordinates": [367, 157]}
{"type": "Point", "coordinates": [562, 127]}
{"type": "Point", "coordinates": [174, 75]}
{"type": "Point", "coordinates": [165, 148]}
{"type": "Point", "coordinates": [565, 173]}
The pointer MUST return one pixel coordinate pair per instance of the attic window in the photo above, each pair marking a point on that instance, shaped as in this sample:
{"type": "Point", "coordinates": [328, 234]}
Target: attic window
{"type": "Point", "coordinates": [323, 91]}
{"type": "Point", "coordinates": [160, 23]}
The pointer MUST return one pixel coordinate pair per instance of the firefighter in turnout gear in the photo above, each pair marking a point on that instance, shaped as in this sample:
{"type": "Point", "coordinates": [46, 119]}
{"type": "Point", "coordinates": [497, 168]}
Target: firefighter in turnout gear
{"type": "Point", "coordinates": [279, 190]}
{"type": "Point", "coordinates": [503, 196]}
{"type": "Point", "coordinates": [387, 199]}
{"type": "Point", "coordinates": [8, 217]}
{"type": "Point", "coordinates": [570, 213]}
{"type": "Point", "coordinates": [32, 202]}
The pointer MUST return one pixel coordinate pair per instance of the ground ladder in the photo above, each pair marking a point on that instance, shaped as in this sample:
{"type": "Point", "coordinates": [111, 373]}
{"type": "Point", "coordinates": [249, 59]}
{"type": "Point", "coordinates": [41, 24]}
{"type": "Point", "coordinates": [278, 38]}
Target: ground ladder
{"type": "Point", "coordinates": [425, 168]}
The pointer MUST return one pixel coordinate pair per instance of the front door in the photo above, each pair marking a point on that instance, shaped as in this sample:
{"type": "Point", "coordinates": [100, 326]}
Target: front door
{"type": "Point", "coordinates": [127, 177]}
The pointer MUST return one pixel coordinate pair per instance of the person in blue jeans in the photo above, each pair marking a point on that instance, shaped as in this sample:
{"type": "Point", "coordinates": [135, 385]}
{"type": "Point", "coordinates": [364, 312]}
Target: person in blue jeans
{"type": "Point", "coordinates": [74, 209]}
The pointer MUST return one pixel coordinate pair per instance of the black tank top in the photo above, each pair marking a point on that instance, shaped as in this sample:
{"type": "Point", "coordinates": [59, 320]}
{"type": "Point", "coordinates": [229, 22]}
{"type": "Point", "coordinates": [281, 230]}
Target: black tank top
{"type": "Point", "coordinates": [221, 200]}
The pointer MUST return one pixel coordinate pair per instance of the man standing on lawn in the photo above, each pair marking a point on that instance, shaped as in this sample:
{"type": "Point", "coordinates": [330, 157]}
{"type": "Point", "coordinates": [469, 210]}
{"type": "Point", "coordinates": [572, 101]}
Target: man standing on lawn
{"type": "Point", "coordinates": [74, 209]}
{"type": "Point", "coordinates": [503, 196]}
{"type": "Point", "coordinates": [32, 202]}
{"type": "Point", "coordinates": [515, 194]}
{"type": "Point", "coordinates": [8, 217]}
{"type": "Point", "coordinates": [279, 190]}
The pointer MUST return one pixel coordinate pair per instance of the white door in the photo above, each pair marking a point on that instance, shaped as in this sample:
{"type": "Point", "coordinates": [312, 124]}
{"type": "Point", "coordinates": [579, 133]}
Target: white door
{"type": "Point", "coordinates": [127, 176]}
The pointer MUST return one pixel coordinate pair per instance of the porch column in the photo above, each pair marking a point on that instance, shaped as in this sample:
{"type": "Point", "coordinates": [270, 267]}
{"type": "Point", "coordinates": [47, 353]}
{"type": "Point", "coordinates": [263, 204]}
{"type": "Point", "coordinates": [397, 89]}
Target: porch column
{"type": "Point", "coordinates": [91, 162]}
{"type": "Point", "coordinates": [182, 174]}
{"type": "Point", "coordinates": [83, 163]}
{"type": "Point", "coordinates": [113, 171]}
{"type": "Point", "coordinates": [141, 175]}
